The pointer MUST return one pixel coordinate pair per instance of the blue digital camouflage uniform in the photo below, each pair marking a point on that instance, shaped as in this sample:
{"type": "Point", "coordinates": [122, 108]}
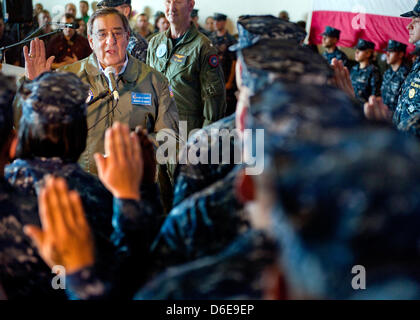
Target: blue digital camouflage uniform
{"type": "Point", "coordinates": [234, 274]}
{"type": "Point", "coordinates": [180, 238]}
{"type": "Point", "coordinates": [338, 54]}
{"type": "Point", "coordinates": [22, 272]}
{"type": "Point", "coordinates": [409, 98]}
{"type": "Point", "coordinates": [366, 82]}
{"type": "Point", "coordinates": [393, 80]}
{"type": "Point", "coordinates": [338, 206]}
{"type": "Point", "coordinates": [114, 222]}
{"type": "Point", "coordinates": [391, 85]}
{"type": "Point", "coordinates": [137, 46]}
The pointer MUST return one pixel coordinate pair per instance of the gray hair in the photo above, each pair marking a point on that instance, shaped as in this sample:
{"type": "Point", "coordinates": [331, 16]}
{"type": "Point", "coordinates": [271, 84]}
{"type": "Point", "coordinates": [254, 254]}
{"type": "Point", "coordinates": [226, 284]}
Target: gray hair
{"type": "Point", "coordinates": [105, 12]}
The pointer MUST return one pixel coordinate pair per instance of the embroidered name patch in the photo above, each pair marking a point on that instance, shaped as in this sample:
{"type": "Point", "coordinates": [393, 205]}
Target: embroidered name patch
{"type": "Point", "coordinates": [142, 99]}
{"type": "Point", "coordinates": [179, 58]}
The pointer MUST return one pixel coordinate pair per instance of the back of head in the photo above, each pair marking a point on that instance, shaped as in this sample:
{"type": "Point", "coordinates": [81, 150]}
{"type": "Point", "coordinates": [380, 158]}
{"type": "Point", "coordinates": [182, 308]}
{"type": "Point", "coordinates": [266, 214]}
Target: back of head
{"type": "Point", "coordinates": [53, 122]}
{"type": "Point", "coordinates": [345, 194]}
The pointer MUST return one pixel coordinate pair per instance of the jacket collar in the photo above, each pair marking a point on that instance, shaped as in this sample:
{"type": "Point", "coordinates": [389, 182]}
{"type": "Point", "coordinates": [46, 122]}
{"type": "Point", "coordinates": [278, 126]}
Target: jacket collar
{"type": "Point", "coordinates": [130, 74]}
{"type": "Point", "coordinates": [191, 33]}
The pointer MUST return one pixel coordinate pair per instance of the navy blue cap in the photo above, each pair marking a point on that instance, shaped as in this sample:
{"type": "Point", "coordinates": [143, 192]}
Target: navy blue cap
{"type": "Point", "coordinates": [414, 13]}
{"type": "Point", "coordinates": [252, 29]}
{"type": "Point", "coordinates": [331, 32]}
{"type": "Point", "coordinates": [394, 45]}
{"type": "Point", "coordinates": [219, 17]}
{"type": "Point", "coordinates": [54, 97]}
{"type": "Point", "coordinates": [365, 45]}
{"type": "Point", "coordinates": [194, 13]}
{"type": "Point", "coordinates": [113, 3]}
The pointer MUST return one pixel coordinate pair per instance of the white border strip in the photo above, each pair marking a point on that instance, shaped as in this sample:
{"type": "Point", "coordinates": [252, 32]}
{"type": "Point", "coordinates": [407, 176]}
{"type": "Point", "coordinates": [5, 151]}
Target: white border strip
{"type": "Point", "coordinates": [393, 8]}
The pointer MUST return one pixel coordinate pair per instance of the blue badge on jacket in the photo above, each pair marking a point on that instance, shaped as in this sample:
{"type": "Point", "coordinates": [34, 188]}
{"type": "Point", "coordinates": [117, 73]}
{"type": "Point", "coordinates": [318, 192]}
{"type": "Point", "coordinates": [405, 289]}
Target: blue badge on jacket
{"type": "Point", "coordinates": [142, 99]}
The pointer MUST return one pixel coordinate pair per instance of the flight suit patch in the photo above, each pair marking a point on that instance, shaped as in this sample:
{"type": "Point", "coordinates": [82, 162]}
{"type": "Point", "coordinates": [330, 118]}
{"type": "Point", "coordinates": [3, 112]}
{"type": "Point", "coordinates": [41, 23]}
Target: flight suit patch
{"type": "Point", "coordinates": [161, 50]}
{"type": "Point", "coordinates": [214, 61]}
{"type": "Point", "coordinates": [142, 99]}
{"type": "Point", "coordinates": [179, 58]}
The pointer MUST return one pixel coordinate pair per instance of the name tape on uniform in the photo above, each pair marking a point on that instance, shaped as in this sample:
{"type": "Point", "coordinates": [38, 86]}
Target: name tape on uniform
{"type": "Point", "coordinates": [142, 99]}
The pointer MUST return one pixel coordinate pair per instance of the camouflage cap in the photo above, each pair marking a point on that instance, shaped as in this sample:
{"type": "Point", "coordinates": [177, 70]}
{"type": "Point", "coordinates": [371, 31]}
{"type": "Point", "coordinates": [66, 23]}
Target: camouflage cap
{"type": "Point", "coordinates": [54, 97]}
{"type": "Point", "coordinates": [275, 59]}
{"type": "Point", "coordinates": [252, 29]}
{"type": "Point", "coordinates": [331, 32]}
{"type": "Point", "coordinates": [112, 3]}
{"type": "Point", "coordinates": [363, 44]}
{"type": "Point", "coordinates": [394, 45]}
{"type": "Point", "coordinates": [414, 13]}
{"type": "Point", "coordinates": [7, 94]}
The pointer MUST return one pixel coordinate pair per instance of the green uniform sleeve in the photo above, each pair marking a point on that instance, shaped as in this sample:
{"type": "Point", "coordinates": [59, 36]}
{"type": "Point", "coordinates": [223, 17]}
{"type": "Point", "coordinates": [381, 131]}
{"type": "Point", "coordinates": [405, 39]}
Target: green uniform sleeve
{"type": "Point", "coordinates": [213, 91]}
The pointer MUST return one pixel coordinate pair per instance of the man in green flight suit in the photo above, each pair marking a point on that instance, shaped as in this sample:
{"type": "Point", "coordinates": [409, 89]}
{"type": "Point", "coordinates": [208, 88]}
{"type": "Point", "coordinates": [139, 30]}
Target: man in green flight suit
{"type": "Point", "coordinates": [144, 97]}
{"type": "Point", "coordinates": [190, 62]}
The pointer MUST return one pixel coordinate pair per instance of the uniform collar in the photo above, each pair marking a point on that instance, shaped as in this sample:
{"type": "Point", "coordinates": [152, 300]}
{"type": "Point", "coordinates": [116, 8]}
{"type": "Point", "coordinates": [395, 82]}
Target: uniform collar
{"type": "Point", "coordinates": [191, 33]}
{"type": "Point", "coordinates": [128, 72]}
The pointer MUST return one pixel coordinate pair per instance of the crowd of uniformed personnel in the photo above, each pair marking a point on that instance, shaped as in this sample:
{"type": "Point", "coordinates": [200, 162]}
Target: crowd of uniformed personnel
{"type": "Point", "coordinates": [82, 187]}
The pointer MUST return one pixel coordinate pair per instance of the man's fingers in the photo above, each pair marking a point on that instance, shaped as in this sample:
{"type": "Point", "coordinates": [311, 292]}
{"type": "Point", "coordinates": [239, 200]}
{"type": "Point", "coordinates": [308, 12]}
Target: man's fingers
{"type": "Point", "coordinates": [49, 62]}
{"type": "Point", "coordinates": [44, 212]}
{"type": "Point", "coordinates": [54, 207]}
{"type": "Point", "coordinates": [66, 208]}
{"type": "Point", "coordinates": [36, 235]}
{"type": "Point", "coordinates": [108, 142]}
{"type": "Point", "coordinates": [137, 151]}
{"type": "Point", "coordinates": [77, 210]}
{"type": "Point", "coordinates": [100, 163]}
{"type": "Point", "coordinates": [26, 53]}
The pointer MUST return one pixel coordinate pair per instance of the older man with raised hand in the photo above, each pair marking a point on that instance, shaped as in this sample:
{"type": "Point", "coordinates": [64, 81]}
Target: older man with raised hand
{"type": "Point", "coordinates": [144, 95]}
{"type": "Point", "coordinates": [137, 45]}
{"type": "Point", "coordinates": [190, 62]}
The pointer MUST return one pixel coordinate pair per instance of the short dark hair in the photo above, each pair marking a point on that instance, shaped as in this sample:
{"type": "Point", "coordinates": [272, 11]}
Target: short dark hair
{"type": "Point", "coordinates": [85, 2]}
{"type": "Point", "coordinates": [68, 16]}
{"type": "Point", "coordinates": [105, 12]}
{"type": "Point", "coordinates": [65, 141]}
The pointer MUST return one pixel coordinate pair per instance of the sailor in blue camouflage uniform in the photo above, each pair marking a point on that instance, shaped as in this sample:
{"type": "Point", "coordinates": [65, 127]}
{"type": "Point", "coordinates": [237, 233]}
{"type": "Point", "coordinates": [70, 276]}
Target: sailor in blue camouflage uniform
{"type": "Point", "coordinates": [330, 37]}
{"type": "Point", "coordinates": [409, 100]}
{"type": "Point", "coordinates": [23, 274]}
{"type": "Point", "coordinates": [52, 135]}
{"type": "Point", "coordinates": [338, 208]}
{"type": "Point", "coordinates": [203, 204]}
{"type": "Point", "coordinates": [365, 76]}
{"type": "Point", "coordinates": [238, 271]}
{"type": "Point", "coordinates": [395, 75]}
{"type": "Point", "coordinates": [204, 192]}
{"type": "Point", "coordinates": [137, 45]}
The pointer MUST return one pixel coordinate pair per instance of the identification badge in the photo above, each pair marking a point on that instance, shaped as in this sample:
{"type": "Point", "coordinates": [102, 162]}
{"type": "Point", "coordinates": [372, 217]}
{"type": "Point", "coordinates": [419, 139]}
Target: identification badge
{"type": "Point", "coordinates": [161, 50]}
{"type": "Point", "coordinates": [142, 99]}
{"type": "Point", "coordinates": [179, 58]}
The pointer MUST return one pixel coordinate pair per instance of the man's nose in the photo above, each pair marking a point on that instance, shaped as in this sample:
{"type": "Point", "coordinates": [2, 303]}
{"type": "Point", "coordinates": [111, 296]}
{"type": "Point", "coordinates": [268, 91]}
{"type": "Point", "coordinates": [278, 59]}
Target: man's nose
{"type": "Point", "coordinates": [110, 38]}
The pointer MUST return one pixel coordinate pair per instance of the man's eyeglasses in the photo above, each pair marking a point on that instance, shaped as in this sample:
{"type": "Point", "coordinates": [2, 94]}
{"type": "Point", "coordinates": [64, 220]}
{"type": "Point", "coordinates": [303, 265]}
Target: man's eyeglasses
{"type": "Point", "coordinates": [102, 35]}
